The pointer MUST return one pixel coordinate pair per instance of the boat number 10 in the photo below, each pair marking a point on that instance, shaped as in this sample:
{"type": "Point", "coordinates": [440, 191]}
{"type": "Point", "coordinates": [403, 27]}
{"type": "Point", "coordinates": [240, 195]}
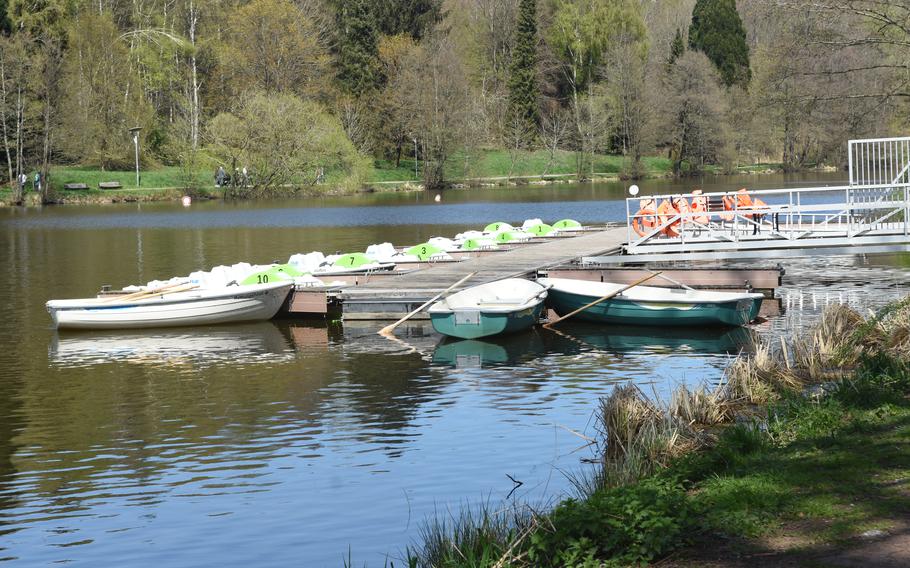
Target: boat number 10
{"type": "Point", "coordinates": [262, 279]}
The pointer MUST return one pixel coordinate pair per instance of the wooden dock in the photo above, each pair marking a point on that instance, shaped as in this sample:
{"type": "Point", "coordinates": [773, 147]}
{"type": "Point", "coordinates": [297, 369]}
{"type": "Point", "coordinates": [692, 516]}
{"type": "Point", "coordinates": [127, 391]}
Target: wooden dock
{"type": "Point", "coordinates": [389, 295]}
{"type": "Point", "coordinates": [392, 297]}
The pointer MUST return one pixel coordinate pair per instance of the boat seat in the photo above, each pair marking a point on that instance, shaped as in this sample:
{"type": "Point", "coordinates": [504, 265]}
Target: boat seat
{"type": "Point", "coordinates": [502, 301]}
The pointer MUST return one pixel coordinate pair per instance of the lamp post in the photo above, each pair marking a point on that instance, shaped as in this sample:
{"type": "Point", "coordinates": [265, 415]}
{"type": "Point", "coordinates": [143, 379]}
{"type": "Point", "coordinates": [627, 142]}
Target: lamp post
{"type": "Point", "coordinates": [135, 132]}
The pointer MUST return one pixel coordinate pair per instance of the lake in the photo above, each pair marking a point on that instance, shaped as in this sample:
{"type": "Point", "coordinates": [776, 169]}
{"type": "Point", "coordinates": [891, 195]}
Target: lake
{"type": "Point", "coordinates": [311, 443]}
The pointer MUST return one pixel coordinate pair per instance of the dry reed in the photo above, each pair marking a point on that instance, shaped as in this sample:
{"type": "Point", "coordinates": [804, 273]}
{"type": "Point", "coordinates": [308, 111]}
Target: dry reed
{"type": "Point", "coordinates": [830, 345]}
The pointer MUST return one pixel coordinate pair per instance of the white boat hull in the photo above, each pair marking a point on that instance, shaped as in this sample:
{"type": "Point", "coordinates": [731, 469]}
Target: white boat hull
{"type": "Point", "coordinates": [203, 307]}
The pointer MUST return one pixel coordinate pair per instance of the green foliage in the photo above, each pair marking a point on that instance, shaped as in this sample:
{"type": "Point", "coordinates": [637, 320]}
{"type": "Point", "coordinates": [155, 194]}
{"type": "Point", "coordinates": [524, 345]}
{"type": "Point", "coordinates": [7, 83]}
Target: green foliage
{"type": "Point", "coordinates": [40, 18]}
{"type": "Point", "coordinates": [718, 32]}
{"type": "Point", "coordinates": [101, 106]}
{"type": "Point", "coordinates": [271, 45]}
{"type": "Point", "coordinates": [613, 527]}
{"type": "Point", "coordinates": [413, 17]}
{"type": "Point", "coordinates": [285, 143]}
{"type": "Point", "coordinates": [581, 33]}
{"type": "Point", "coordinates": [677, 47]}
{"type": "Point", "coordinates": [356, 47]}
{"type": "Point", "coordinates": [523, 111]}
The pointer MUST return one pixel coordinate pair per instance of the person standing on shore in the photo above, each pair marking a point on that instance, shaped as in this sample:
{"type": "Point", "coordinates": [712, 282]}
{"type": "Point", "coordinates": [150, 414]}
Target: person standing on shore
{"type": "Point", "coordinates": [37, 182]}
{"type": "Point", "coordinates": [22, 179]}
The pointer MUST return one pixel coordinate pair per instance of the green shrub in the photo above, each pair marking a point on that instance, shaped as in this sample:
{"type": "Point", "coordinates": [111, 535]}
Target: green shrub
{"type": "Point", "coordinates": [619, 526]}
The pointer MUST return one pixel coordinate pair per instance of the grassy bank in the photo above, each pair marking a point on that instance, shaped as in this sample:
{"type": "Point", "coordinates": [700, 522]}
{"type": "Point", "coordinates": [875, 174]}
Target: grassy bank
{"type": "Point", "coordinates": [800, 455]}
{"type": "Point", "coordinates": [482, 167]}
{"type": "Point", "coordinates": [499, 165]}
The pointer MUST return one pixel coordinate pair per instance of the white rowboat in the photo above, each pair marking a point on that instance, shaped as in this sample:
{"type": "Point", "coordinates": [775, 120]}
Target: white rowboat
{"type": "Point", "coordinates": [195, 307]}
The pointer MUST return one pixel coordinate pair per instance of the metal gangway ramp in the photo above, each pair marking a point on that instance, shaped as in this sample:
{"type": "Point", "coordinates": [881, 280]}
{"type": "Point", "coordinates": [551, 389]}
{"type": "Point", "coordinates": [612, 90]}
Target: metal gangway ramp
{"type": "Point", "coordinates": [871, 214]}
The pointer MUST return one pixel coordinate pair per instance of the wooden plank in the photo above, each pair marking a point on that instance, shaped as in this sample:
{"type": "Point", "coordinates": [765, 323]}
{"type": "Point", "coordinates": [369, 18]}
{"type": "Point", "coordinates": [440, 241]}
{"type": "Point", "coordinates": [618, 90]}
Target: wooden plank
{"type": "Point", "coordinates": [308, 302]}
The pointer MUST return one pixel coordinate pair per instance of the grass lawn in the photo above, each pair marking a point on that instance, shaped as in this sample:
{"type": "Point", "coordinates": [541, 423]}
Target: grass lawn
{"type": "Point", "coordinates": [498, 163]}
{"type": "Point", "coordinates": [826, 472]}
{"type": "Point", "coordinates": [163, 177]}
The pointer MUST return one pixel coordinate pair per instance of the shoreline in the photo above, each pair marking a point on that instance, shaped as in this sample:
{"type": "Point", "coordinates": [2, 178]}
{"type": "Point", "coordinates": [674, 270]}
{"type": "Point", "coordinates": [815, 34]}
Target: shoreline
{"type": "Point", "coordinates": [166, 194]}
{"type": "Point", "coordinates": [769, 465]}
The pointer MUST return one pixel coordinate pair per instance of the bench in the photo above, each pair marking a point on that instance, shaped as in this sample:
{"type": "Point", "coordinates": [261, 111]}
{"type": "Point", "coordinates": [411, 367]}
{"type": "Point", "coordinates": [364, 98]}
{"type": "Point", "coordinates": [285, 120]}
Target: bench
{"type": "Point", "coordinates": [75, 186]}
{"type": "Point", "coordinates": [109, 185]}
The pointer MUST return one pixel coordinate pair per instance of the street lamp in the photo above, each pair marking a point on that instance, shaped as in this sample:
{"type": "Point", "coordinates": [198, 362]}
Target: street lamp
{"type": "Point", "coordinates": [135, 132]}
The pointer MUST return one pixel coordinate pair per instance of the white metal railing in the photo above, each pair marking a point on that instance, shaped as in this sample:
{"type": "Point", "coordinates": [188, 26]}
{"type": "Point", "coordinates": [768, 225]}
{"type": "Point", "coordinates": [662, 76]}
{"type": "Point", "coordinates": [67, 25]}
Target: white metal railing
{"type": "Point", "coordinates": [842, 212]}
{"type": "Point", "coordinates": [879, 161]}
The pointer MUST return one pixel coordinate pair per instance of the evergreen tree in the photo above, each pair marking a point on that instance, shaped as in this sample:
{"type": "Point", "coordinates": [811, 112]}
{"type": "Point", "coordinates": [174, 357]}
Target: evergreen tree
{"type": "Point", "coordinates": [412, 17]}
{"type": "Point", "coordinates": [523, 111]}
{"type": "Point", "coordinates": [5, 25]}
{"type": "Point", "coordinates": [357, 47]}
{"type": "Point", "coordinates": [718, 32]}
{"type": "Point", "coordinates": [677, 47]}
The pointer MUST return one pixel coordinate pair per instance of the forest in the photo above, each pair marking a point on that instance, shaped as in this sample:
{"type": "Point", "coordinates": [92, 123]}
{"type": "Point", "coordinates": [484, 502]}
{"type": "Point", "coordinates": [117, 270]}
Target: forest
{"type": "Point", "coordinates": [300, 91]}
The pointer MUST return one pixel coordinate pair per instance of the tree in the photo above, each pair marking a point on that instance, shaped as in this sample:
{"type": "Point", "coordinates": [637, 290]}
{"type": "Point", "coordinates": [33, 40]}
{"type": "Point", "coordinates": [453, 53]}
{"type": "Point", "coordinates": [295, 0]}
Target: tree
{"type": "Point", "coordinates": [16, 64]}
{"type": "Point", "coordinates": [104, 99]}
{"type": "Point", "coordinates": [523, 113]}
{"type": "Point", "coordinates": [412, 17]}
{"type": "Point", "coordinates": [581, 34]}
{"type": "Point", "coordinates": [284, 142]}
{"type": "Point", "coordinates": [677, 48]}
{"type": "Point", "coordinates": [434, 90]}
{"type": "Point", "coordinates": [695, 114]}
{"type": "Point", "coordinates": [271, 46]}
{"type": "Point", "coordinates": [356, 47]}
{"type": "Point", "coordinates": [717, 31]}
{"type": "Point", "coordinates": [393, 113]}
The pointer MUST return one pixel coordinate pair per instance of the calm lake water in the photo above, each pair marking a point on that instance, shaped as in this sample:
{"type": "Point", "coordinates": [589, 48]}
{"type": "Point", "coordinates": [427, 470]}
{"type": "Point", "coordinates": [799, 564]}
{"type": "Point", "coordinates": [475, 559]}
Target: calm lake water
{"type": "Point", "coordinates": [308, 443]}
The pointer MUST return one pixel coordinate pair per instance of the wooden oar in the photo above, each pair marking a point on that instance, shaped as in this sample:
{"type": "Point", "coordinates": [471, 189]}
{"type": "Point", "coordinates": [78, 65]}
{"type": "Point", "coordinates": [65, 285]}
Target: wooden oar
{"type": "Point", "coordinates": [140, 293]}
{"type": "Point", "coordinates": [387, 330]}
{"type": "Point", "coordinates": [151, 295]}
{"type": "Point", "coordinates": [602, 299]}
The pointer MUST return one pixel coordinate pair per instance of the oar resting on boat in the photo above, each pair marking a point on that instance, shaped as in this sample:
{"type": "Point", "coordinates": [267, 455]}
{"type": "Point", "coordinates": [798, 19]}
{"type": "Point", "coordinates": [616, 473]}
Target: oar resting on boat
{"type": "Point", "coordinates": [648, 305]}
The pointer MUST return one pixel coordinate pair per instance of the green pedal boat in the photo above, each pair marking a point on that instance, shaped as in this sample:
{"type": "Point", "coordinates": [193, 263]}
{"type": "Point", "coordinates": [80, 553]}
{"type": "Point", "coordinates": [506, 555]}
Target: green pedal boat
{"type": "Point", "coordinates": [648, 305]}
{"type": "Point", "coordinates": [504, 306]}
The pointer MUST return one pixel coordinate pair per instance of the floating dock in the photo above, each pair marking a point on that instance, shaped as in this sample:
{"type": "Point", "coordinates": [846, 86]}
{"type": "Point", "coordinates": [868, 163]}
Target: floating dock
{"type": "Point", "coordinates": [392, 294]}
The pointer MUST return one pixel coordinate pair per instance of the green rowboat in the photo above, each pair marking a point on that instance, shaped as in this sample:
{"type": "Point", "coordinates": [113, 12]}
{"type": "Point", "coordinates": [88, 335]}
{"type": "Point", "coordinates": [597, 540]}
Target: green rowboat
{"type": "Point", "coordinates": [504, 306]}
{"type": "Point", "coordinates": [651, 306]}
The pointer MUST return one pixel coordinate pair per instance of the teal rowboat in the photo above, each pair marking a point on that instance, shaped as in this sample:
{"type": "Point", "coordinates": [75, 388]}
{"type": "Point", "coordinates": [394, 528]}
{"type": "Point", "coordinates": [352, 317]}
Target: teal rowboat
{"type": "Point", "coordinates": [651, 306]}
{"type": "Point", "coordinates": [504, 306]}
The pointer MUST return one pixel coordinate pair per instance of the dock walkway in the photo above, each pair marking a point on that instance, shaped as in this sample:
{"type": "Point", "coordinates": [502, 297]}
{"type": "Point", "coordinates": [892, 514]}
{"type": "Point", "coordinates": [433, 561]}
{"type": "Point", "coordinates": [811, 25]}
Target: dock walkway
{"type": "Point", "coordinates": [396, 295]}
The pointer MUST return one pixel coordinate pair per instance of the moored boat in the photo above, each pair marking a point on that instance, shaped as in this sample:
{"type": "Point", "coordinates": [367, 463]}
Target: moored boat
{"type": "Point", "coordinates": [207, 306]}
{"type": "Point", "coordinates": [648, 305]}
{"type": "Point", "coordinates": [504, 306]}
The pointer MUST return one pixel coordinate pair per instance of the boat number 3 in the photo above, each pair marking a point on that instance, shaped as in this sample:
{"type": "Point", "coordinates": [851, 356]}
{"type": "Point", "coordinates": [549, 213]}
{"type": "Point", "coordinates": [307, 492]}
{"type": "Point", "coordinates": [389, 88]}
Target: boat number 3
{"type": "Point", "coordinates": [262, 278]}
{"type": "Point", "coordinates": [423, 250]}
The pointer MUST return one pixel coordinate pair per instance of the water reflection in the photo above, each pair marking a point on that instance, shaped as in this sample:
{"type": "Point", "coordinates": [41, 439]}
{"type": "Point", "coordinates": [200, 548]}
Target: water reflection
{"type": "Point", "coordinates": [570, 339]}
{"type": "Point", "coordinates": [262, 342]}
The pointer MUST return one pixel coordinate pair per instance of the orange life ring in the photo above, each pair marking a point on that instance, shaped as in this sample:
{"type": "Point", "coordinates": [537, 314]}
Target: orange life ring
{"type": "Point", "coordinates": [644, 221]}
